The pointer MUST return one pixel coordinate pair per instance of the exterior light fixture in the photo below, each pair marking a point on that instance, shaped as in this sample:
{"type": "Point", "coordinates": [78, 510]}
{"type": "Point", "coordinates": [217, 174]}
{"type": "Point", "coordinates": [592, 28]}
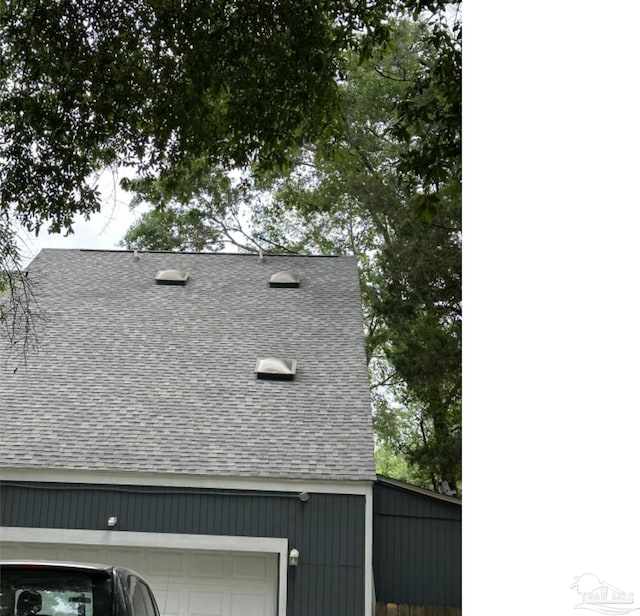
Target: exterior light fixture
{"type": "Point", "coordinates": [112, 521]}
{"type": "Point", "coordinates": [294, 556]}
{"type": "Point", "coordinates": [303, 496]}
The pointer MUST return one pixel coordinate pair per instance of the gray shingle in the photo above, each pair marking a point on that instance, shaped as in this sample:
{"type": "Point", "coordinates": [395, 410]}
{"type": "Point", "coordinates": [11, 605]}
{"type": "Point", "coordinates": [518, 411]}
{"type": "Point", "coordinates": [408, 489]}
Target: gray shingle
{"type": "Point", "coordinates": [134, 376]}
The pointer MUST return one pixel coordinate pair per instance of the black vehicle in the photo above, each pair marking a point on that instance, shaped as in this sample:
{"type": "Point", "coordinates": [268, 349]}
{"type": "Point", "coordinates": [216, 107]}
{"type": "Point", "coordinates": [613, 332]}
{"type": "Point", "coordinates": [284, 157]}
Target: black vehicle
{"type": "Point", "coordinates": [73, 589]}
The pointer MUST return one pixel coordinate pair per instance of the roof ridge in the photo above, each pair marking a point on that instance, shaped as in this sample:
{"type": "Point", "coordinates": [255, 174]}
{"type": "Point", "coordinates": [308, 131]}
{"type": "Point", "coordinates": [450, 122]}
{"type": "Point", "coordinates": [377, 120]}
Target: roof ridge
{"type": "Point", "coordinates": [198, 253]}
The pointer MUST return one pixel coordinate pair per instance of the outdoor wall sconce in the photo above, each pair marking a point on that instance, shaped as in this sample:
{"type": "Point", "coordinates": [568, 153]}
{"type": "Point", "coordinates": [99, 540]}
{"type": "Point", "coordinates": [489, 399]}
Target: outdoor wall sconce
{"type": "Point", "coordinates": [303, 496]}
{"type": "Point", "coordinates": [112, 521]}
{"type": "Point", "coordinates": [294, 556]}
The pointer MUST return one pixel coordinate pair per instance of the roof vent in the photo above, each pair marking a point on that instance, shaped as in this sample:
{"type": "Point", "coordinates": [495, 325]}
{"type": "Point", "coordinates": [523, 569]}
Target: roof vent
{"type": "Point", "coordinates": [285, 279]}
{"type": "Point", "coordinates": [172, 276]}
{"type": "Point", "coordinates": [276, 369]}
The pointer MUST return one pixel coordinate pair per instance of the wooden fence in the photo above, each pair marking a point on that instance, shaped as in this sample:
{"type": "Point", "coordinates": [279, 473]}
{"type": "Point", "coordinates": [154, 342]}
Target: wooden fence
{"type": "Point", "coordinates": [391, 609]}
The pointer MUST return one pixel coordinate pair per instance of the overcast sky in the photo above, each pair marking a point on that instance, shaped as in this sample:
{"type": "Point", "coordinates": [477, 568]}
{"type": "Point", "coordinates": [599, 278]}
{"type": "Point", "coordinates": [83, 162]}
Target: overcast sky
{"type": "Point", "coordinates": [103, 231]}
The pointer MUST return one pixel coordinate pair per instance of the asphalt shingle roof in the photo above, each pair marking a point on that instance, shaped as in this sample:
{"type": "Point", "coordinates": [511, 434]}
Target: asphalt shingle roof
{"type": "Point", "coordinates": [135, 376]}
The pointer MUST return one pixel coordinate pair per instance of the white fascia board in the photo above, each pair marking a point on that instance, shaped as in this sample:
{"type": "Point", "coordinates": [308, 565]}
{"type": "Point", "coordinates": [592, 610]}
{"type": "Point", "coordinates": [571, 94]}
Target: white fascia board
{"type": "Point", "coordinates": [176, 480]}
{"type": "Point", "coordinates": [175, 541]}
{"type": "Point", "coordinates": [369, 605]}
{"type": "Point", "coordinates": [117, 538]}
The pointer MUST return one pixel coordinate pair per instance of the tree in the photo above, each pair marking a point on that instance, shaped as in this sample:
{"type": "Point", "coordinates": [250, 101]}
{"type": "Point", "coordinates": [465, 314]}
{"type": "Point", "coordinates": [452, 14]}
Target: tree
{"type": "Point", "coordinates": [161, 85]}
{"type": "Point", "coordinates": [365, 191]}
{"type": "Point", "coordinates": [205, 221]}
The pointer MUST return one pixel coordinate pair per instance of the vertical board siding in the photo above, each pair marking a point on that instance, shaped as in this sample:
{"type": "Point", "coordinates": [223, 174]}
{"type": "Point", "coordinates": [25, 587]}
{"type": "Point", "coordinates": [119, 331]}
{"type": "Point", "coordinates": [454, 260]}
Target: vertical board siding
{"type": "Point", "coordinates": [328, 530]}
{"type": "Point", "coordinates": [417, 548]}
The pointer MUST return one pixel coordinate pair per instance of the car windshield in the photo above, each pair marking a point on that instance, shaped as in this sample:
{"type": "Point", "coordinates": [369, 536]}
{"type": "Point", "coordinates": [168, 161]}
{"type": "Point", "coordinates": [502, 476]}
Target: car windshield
{"type": "Point", "coordinates": [41, 591]}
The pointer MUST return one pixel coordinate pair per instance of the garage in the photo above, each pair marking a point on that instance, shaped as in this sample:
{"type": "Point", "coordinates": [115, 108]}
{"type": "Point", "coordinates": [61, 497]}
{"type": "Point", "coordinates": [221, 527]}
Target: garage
{"type": "Point", "coordinates": [186, 582]}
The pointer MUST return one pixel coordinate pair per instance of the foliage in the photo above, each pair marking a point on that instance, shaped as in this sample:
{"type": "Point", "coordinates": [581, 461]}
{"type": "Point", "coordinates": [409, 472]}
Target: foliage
{"type": "Point", "coordinates": [386, 187]}
{"type": "Point", "coordinates": [161, 84]}
{"type": "Point", "coordinates": [202, 223]}
{"type": "Point", "coordinates": [430, 116]}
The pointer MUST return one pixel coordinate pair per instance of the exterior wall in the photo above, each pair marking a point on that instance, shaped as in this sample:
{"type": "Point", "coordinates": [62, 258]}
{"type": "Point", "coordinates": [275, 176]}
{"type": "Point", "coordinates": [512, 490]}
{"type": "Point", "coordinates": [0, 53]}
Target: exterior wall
{"type": "Point", "coordinates": [417, 548]}
{"type": "Point", "coordinates": [328, 530]}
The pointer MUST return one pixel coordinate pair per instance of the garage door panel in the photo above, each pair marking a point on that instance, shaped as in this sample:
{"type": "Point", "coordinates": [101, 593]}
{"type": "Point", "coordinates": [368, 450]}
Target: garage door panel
{"type": "Point", "coordinates": [170, 602]}
{"type": "Point", "coordinates": [242, 604]}
{"type": "Point", "coordinates": [130, 558]}
{"type": "Point", "coordinates": [8, 552]}
{"type": "Point", "coordinates": [207, 565]}
{"type": "Point", "coordinates": [206, 603]}
{"type": "Point", "coordinates": [40, 552]}
{"type": "Point", "coordinates": [80, 554]}
{"type": "Point", "coordinates": [250, 567]}
{"type": "Point", "coordinates": [165, 562]}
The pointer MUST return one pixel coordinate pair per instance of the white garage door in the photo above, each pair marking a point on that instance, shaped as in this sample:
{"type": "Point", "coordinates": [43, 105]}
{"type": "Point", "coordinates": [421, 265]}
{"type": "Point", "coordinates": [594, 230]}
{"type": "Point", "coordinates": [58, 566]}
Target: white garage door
{"type": "Point", "coordinates": [185, 582]}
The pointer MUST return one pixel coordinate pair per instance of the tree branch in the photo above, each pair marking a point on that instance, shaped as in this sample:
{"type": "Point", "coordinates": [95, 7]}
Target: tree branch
{"type": "Point", "coordinates": [20, 316]}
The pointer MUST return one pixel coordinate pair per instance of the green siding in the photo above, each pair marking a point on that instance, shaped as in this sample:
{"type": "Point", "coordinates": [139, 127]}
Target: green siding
{"type": "Point", "coordinates": [417, 548]}
{"type": "Point", "coordinates": [328, 530]}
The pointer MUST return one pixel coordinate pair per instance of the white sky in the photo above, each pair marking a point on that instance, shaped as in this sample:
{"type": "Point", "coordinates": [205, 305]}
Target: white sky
{"type": "Point", "coordinates": [102, 231]}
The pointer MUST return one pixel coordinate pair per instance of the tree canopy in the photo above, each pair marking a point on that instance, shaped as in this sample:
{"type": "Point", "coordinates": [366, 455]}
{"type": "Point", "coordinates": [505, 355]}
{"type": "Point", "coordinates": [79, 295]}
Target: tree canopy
{"type": "Point", "coordinates": [87, 83]}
